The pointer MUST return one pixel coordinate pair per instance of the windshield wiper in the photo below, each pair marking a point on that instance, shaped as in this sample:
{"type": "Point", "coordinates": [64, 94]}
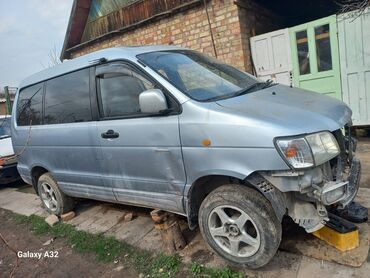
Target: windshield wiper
{"type": "Point", "coordinates": [268, 83]}
{"type": "Point", "coordinates": [263, 85]}
{"type": "Point", "coordinates": [246, 90]}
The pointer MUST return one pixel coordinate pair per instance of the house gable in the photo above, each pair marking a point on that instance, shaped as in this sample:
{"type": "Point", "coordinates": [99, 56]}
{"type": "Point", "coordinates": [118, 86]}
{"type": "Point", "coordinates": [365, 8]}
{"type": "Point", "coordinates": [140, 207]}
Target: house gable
{"type": "Point", "coordinates": [94, 20]}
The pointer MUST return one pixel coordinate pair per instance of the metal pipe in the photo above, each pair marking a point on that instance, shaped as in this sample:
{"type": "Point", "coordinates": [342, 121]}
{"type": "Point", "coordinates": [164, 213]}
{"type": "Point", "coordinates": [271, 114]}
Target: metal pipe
{"type": "Point", "coordinates": [210, 28]}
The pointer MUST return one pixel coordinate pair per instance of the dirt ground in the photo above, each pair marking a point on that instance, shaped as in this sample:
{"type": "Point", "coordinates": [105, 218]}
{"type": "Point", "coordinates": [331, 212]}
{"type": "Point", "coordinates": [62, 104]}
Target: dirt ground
{"type": "Point", "coordinates": [68, 264]}
{"type": "Point", "coordinates": [363, 153]}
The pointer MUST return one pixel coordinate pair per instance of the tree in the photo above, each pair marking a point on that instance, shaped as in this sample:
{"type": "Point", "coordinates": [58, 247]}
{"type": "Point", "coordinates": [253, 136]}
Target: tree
{"type": "Point", "coordinates": [355, 6]}
{"type": "Point", "coordinates": [53, 58]}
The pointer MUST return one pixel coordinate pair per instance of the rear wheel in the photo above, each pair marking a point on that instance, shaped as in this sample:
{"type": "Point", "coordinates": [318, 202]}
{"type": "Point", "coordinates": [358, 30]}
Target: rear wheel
{"type": "Point", "coordinates": [53, 199]}
{"type": "Point", "coordinates": [239, 224]}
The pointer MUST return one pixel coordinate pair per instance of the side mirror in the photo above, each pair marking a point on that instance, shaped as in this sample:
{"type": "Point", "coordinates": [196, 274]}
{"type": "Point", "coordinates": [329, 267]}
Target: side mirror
{"type": "Point", "coordinates": [152, 101]}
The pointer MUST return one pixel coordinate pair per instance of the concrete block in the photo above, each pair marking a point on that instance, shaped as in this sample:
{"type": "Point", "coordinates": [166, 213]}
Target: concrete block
{"type": "Point", "coordinates": [129, 216]}
{"type": "Point", "coordinates": [52, 220]}
{"type": "Point", "coordinates": [68, 216]}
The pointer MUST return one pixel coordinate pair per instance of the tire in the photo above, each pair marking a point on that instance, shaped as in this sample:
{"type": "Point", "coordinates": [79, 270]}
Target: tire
{"type": "Point", "coordinates": [53, 199]}
{"type": "Point", "coordinates": [249, 232]}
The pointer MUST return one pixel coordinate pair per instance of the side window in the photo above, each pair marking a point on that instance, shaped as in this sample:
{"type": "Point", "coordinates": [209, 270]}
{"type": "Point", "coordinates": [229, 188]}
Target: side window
{"type": "Point", "coordinates": [29, 106]}
{"type": "Point", "coordinates": [119, 92]}
{"type": "Point", "coordinates": [67, 98]}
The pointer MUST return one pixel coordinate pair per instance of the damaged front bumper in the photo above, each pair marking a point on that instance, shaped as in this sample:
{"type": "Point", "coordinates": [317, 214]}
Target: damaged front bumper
{"type": "Point", "coordinates": [309, 193]}
{"type": "Point", "coordinates": [341, 192]}
{"type": "Point", "coordinates": [309, 208]}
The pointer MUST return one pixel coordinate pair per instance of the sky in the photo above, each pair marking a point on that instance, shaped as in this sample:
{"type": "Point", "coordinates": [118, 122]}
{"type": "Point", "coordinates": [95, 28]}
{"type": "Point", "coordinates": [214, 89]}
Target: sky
{"type": "Point", "coordinates": [29, 30]}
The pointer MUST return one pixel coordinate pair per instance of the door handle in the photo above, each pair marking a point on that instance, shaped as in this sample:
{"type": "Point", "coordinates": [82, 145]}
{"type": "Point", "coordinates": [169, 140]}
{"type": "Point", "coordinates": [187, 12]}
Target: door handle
{"type": "Point", "coordinates": [110, 134]}
{"type": "Point", "coordinates": [162, 150]}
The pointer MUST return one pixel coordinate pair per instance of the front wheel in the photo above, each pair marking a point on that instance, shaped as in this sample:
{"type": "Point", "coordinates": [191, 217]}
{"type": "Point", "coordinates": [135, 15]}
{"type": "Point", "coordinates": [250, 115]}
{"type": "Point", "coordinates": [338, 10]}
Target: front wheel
{"type": "Point", "coordinates": [239, 224]}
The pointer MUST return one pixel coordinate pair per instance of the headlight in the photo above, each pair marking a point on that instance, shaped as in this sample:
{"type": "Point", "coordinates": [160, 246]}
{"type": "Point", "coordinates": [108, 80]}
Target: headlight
{"type": "Point", "coordinates": [310, 150]}
{"type": "Point", "coordinates": [324, 146]}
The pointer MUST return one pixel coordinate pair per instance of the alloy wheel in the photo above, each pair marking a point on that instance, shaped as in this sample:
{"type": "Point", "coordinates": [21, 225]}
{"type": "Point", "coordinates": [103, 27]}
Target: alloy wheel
{"type": "Point", "coordinates": [234, 231]}
{"type": "Point", "coordinates": [48, 197]}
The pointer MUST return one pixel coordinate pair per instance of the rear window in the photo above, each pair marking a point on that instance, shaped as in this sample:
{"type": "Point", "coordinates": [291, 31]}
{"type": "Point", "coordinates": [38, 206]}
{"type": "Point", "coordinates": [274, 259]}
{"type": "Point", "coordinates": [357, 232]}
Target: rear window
{"type": "Point", "coordinates": [29, 106]}
{"type": "Point", "coordinates": [67, 99]}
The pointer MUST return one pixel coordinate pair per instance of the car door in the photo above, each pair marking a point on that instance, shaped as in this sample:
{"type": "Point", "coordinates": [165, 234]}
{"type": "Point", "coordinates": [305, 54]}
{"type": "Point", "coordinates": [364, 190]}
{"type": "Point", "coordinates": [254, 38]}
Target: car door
{"type": "Point", "coordinates": [65, 143]}
{"type": "Point", "coordinates": [141, 154]}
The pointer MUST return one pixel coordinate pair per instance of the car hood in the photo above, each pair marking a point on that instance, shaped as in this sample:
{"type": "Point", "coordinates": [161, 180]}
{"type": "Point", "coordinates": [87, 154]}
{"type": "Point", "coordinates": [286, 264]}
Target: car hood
{"type": "Point", "coordinates": [6, 148]}
{"type": "Point", "coordinates": [293, 110]}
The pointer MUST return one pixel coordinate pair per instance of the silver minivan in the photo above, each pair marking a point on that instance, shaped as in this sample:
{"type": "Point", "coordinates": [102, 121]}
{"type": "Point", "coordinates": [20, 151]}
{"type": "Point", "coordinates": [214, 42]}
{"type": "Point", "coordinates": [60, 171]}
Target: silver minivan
{"type": "Point", "coordinates": [169, 128]}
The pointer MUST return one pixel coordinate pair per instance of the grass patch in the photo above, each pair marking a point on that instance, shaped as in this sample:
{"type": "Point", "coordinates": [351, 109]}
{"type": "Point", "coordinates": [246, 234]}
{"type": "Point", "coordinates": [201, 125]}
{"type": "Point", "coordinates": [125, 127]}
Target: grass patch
{"type": "Point", "coordinates": [165, 266]}
{"type": "Point", "coordinates": [109, 249]}
{"type": "Point", "coordinates": [198, 270]}
{"type": "Point", "coordinates": [105, 248]}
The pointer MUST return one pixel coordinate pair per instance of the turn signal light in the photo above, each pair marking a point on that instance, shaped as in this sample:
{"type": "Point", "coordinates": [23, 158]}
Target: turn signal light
{"type": "Point", "coordinates": [291, 152]}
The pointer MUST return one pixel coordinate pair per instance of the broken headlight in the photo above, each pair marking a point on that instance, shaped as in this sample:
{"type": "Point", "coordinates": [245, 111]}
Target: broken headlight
{"type": "Point", "coordinates": [307, 151]}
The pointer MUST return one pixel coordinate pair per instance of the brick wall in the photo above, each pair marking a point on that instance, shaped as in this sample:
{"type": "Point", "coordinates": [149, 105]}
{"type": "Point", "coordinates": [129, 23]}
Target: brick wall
{"type": "Point", "coordinates": [255, 20]}
{"type": "Point", "coordinates": [2, 108]}
{"type": "Point", "coordinates": [189, 29]}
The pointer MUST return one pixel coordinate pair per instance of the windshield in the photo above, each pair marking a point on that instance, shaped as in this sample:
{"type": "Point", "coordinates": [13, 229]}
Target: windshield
{"type": "Point", "coordinates": [4, 127]}
{"type": "Point", "coordinates": [200, 77]}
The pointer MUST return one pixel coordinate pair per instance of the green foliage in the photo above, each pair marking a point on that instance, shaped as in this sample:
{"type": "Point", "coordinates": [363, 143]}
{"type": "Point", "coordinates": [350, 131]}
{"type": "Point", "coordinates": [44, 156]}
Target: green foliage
{"type": "Point", "coordinates": [164, 266]}
{"type": "Point", "coordinates": [199, 270]}
{"type": "Point", "coordinates": [37, 224]}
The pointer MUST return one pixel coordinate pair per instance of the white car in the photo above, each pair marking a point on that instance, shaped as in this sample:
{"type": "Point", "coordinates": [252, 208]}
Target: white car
{"type": "Point", "coordinates": [8, 161]}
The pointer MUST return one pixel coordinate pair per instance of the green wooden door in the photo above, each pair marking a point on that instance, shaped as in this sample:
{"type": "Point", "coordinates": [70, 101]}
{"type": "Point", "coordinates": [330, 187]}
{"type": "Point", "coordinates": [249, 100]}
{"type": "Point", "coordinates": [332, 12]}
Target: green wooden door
{"type": "Point", "coordinates": [315, 56]}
